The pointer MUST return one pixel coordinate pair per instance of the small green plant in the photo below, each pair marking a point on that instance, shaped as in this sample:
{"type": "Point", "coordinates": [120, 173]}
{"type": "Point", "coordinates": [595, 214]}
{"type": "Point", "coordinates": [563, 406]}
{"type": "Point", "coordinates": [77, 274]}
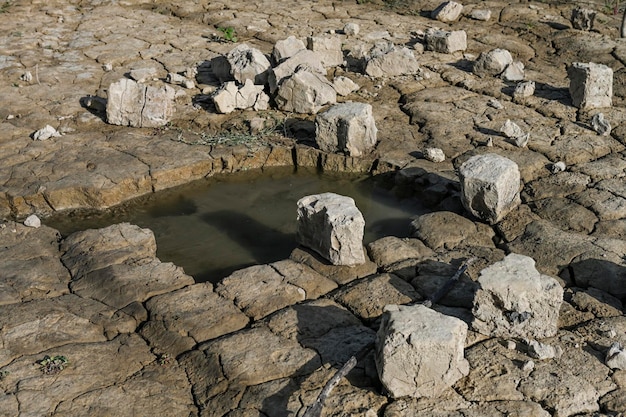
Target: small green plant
{"type": "Point", "coordinates": [229, 34]}
{"type": "Point", "coordinates": [164, 359]}
{"type": "Point", "coordinates": [52, 365]}
{"type": "Point", "coordinates": [4, 374]}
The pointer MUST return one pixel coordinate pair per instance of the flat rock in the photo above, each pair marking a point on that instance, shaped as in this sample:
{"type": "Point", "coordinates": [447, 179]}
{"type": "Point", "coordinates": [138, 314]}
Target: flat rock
{"type": "Point", "coordinates": [389, 250]}
{"type": "Point", "coordinates": [181, 319]}
{"type": "Point", "coordinates": [31, 267]}
{"type": "Point", "coordinates": [259, 290]}
{"type": "Point", "coordinates": [339, 274]}
{"type": "Point", "coordinates": [448, 230]}
{"type": "Point", "coordinates": [314, 284]}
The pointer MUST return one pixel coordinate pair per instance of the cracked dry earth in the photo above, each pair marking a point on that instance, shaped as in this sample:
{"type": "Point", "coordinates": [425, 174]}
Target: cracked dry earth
{"type": "Point", "coordinates": [141, 338]}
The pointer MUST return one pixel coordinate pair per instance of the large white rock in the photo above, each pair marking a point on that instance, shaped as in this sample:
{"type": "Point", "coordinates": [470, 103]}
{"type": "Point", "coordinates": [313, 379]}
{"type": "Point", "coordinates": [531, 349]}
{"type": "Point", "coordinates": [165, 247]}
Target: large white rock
{"type": "Point", "coordinates": [240, 64]}
{"type": "Point", "coordinates": [492, 63]}
{"type": "Point", "coordinates": [305, 92]}
{"type": "Point", "coordinates": [590, 85]}
{"type": "Point", "coordinates": [490, 186]}
{"type": "Point", "coordinates": [333, 226]}
{"type": "Point", "coordinates": [388, 60]}
{"type": "Point", "coordinates": [515, 300]}
{"type": "Point", "coordinates": [346, 127]}
{"type": "Point", "coordinates": [138, 105]}
{"type": "Point", "coordinates": [445, 42]}
{"type": "Point", "coordinates": [419, 352]}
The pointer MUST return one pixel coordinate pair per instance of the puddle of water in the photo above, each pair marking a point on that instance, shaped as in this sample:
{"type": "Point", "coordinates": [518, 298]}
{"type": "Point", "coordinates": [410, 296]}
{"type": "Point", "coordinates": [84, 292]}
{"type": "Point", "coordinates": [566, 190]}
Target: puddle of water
{"type": "Point", "coordinates": [215, 226]}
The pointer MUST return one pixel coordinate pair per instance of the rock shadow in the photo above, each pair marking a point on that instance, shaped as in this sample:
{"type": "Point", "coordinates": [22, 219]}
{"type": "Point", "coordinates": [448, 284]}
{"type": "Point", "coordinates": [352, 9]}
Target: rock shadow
{"type": "Point", "coordinates": [601, 274]}
{"type": "Point", "coordinates": [548, 92]}
{"type": "Point", "coordinates": [95, 105]}
{"type": "Point", "coordinates": [336, 335]}
{"type": "Point", "coordinates": [264, 243]}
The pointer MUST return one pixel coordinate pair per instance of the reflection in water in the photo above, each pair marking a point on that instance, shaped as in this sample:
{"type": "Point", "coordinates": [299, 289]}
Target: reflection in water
{"type": "Point", "coordinates": [215, 226]}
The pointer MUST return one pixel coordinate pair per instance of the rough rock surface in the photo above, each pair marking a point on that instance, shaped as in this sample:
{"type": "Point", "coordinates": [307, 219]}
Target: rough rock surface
{"type": "Point", "coordinates": [305, 92]}
{"type": "Point", "coordinates": [591, 85]}
{"type": "Point", "coordinates": [419, 352]}
{"type": "Point", "coordinates": [57, 61]}
{"type": "Point", "coordinates": [346, 127]}
{"type": "Point", "coordinates": [515, 300]}
{"type": "Point", "coordinates": [240, 64]}
{"type": "Point", "coordinates": [333, 226]}
{"type": "Point", "coordinates": [137, 105]}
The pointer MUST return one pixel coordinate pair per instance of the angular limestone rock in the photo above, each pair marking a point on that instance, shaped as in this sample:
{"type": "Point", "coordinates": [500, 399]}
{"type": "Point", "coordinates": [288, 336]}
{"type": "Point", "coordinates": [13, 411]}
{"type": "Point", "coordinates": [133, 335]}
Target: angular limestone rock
{"type": "Point", "coordinates": [445, 42]}
{"type": "Point", "coordinates": [46, 132]}
{"type": "Point", "coordinates": [287, 48]}
{"type": "Point", "coordinates": [600, 124]}
{"type": "Point", "coordinates": [327, 48]}
{"type": "Point", "coordinates": [419, 352]}
{"type": "Point", "coordinates": [351, 29]}
{"type": "Point", "coordinates": [447, 12]}
{"type": "Point", "coordinates": [344, 85]}
{"type": "Point", "coordinates": [492, 63]}
{"type": "Point", "coordinates": [582, 18]}
{"type": "Point", "coordinates": [514, 72]}
{"type": "Point", "coordinates": [346, 127]}
{"type": "Point", "coordinates": [434, 154]}
{"type": "Point", "coordinates": [591, 85]}
{"type": "Point", "coordinates": [490, 186]}
{"type": "Point", "coordinates": [240, 64]}
{"type": "Point", "coordinates": [333, 226]}
{"type": "Point", "coordinates": [301, 59]}
{"type": "Point", "coordinates": [524, 89]}
{"type": "Point", "coordinates": [616, 357]}
{"type": "Point", "coordinates": [481, 14]}
{"type": "Point", "coordinates": [137, 105]}
{"type": "Point", "coordinates": [388, 60]}
{"type": "Point", "coordinates": [32, 221]}
{"type": "Point", "coordinates": [249, 96]}
{"type": "Point", "coordinates": [512, 131]}
{"type": "Point", "coordinates": [305, 92]}
{"type": "Point", "coordinates": [515, 300]}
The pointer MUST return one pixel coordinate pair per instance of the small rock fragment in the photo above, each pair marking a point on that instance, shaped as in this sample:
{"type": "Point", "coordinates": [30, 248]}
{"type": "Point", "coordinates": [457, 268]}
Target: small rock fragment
{"type": "Point", "coordinates": [514, 132]}
{"type": "Point", "coordinates": [107, 67]}
{"type": "Point", "coordinates": [591, 85]}
{"type": "Point", "coordinates": [481, 14]}
{"type": "Point", "coordinates": [514, 72]}
{"type": "Point", "coordinates": [327, 48]}
{"type": "Point", "coordinates": [447, 12]}
{"type": "Point", "coordinates": [143, 74]}
{"type": "Point", "coordinates": [511, 345]}
{"type": "Point", "coordinates": [434, 154]}
{"type": "Point", "coordinates": [32, 221]}
{"type": "Point", "coordinates": [524, 89]}
{"type": "Point", "coordinates": [344, 85]}
{"type": "Point", "coordinates": [46, 132]}
{"type": "Point", "coordinates": [287, 48]}
{"type": "Point", "coordinates": [528, 366]}
{"type": "Point", "coordinates": [351, 29]}
{"type": "Point", "coordinates": [445, 42]}
{"type": "Point", "coordinates": [231, 97]}
{"type": "Point", "coordinates": [600, 124]}
{"type": "Point", "coordinates": [582, 18]}
{"type": "Point", "coordinates": [543, 351]}
{"type": "Point", "coordinates": [492, 63]}
{"type": "Point", "coordinates": [616, 357]}
{"type": "Point", "coordinates": [558, 167]}
{"type": "Point", "coordinates": [27, 76]}
{"type": "Point", "coordinates": [240, 64]}
{"type": "Point", "coordinates": [495, 104]}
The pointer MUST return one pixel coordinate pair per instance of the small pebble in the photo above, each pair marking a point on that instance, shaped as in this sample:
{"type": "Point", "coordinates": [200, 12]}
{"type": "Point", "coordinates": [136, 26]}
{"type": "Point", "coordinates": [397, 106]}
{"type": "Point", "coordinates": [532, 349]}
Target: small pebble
{"type": "Point", "coordinates": [558, 167]}
{"type": "Point", "coordinates": [528, 366]}
{"type": "Point", "coordinates": [32, 221]}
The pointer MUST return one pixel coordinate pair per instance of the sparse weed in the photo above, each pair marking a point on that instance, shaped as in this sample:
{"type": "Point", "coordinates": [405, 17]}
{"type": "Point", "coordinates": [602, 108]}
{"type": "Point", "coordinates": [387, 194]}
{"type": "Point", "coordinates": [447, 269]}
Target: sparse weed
{"type": "Point", "coordinates": [228, 34]}
{"type": "Point", "coordinates": [52, 365]}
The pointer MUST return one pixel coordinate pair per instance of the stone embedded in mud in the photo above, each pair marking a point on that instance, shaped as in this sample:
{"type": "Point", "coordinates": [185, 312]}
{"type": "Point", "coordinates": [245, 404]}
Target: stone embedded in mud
{"type": "Point", "coordinates": [351, 29]}
{"type": "Point", "coordinates": [305, 92]}
{"type": "Point", "coordinates": [616, 357]}
{"type": "Point", "coordinates": [492, 63]}
{"type": "Point", "coordinates": [481, 14]}
{"type": "Point", "coordinates": [240, 64]}
{"type": "Point", "coordinates": [333, 226]}
{"type": "Point", "coordinates": [346, 127]}
{"type": "Point", "coordinates": [591, 85]}
{"type": "Point", "coordinates": [524, 89]}
{"type": "Point", "coordinates": [46, 132]}
{"type": "Point", "coordinates": [434, 154]}
{"type": "Point", "coordinates": [32, 221]}
{"type": "Point", "coordinates": [419, 352]}
{"type": "Point", "coordinates": [490, 186]}
{"type": "Point", "coordinates": [444, 41]}
{"type": "Point", "coordinates": [512, 131]}
{"type": "Point", "coordinates": [136, 105]}
{"type": "Point", "coordinates": [515, 300]}
{"type": "Point", "coordinates": [582, 18]}
{"type": "Point", "coordinates": [447, 12]}
{"type": "Point", "coordinates": [388, 60]}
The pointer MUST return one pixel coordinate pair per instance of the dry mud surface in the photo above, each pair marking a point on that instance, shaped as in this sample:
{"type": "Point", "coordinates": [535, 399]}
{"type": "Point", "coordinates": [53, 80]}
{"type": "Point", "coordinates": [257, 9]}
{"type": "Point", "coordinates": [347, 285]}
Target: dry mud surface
{"type": "Point", "coordinates": [141, 338]}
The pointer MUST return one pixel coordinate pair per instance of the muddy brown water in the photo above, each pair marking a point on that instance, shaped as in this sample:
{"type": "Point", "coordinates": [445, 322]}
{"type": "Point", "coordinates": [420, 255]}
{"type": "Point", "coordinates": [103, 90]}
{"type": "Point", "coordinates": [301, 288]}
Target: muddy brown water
{"type": "Point", "coordinates": [215, 226]}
